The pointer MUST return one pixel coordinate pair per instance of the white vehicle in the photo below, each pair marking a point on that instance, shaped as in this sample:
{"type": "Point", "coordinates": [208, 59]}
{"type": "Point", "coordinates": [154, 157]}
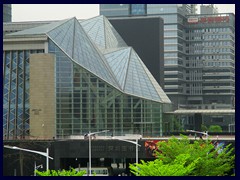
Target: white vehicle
{"type": "Point", "coordinates": [97, 171]}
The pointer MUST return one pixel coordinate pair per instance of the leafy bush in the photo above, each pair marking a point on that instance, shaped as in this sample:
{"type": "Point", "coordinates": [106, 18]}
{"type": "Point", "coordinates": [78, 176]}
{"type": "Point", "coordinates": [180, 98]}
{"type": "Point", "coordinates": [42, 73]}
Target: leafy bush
{"type": "Point", "coordinates": [215, 128]}
{"type": "Point", "coordinates": [71, 172]}
{"type": "Point", "coordinates": [180, 157]}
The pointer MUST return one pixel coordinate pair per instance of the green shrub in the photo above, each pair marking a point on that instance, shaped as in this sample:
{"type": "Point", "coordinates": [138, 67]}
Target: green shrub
{"type": "Point", "coordinates": [71, 172]}
{"type": "Point", "coordinates": [215, 128]}
{"type": "Point", "coordinates": [180, 157]}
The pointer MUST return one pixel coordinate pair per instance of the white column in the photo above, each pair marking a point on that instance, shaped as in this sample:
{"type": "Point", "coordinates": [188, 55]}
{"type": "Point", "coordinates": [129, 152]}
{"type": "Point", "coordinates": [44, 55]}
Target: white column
{"type": "Point", "coordinates": [35, 168]}
{"type": "Point", "coordinates": [90, 173]}
{"type": "Point", "coordinates": [137, 151]}
{"type": "Point", "coordinates": [47, 160]}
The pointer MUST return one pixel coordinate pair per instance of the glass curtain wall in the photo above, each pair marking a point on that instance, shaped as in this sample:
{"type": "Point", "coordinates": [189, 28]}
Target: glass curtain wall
{"type": "Point", "coordinates": [86, 103]}
{"type": "Point", "coordinates": [16, 93]}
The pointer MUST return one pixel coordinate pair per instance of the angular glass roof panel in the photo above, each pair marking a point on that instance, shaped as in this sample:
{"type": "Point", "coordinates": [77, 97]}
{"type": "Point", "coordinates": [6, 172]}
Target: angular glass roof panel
{"type": "Point", "coordinates": [118, 62]}
{"type": "Point", "coordinates": [137, 81]}
{"type": "Point", "coordinates": [74, 41]}
{"type": "Point", "coordinates": [95, 29]}
{"type": "Point", "coordinates": [113, 39]}
{"type": "Point", "coordinates": [102, 33]}
{"type": "Point", "coordinates": [63, 36]}
{"type": "Point", "coordinates": [164, 98]}
{"type": "Point", "coordinates": [87, 55]}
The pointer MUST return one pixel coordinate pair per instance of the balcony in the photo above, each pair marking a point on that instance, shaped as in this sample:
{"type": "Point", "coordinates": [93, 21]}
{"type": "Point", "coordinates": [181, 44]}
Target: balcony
{"type": "Point", "coordinates": [218, 88]}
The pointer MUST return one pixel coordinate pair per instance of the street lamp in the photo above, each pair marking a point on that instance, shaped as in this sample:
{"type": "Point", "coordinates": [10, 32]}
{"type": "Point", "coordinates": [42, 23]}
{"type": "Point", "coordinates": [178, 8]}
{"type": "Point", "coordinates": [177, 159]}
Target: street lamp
{"type": "Point", "coordinates": [204, 133]}
{"type": "Point", "coordinates": [46, 154]}
{"type": "Point", "coordinates": [136, 143]}
{"type": "Point", "coordinates": [89, 137]}
{"type": "Point", "coordinates": [36, 167]}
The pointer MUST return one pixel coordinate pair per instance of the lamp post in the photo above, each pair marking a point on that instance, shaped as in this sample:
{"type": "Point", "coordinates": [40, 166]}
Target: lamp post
{"type": "Point", "coordinates": [89, 148]}
{"type": "Point", "coordinates": [46, 154]}
{"type": "Point", "coordinates": [36, 167]}
{"type": "Point", "coordinates": [136, 143]}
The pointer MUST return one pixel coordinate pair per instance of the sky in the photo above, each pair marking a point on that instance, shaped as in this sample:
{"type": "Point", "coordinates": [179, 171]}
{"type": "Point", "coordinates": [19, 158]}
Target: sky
{"type": "Point", "coordinates": [44, 12]}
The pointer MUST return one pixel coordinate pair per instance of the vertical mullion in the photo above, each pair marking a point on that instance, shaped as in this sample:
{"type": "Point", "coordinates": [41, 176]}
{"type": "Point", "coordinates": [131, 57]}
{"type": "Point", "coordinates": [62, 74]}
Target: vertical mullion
{"type": "Point", "coordinates": [16, 97]}
{"type": "Point", "coordinates": [9, 92]}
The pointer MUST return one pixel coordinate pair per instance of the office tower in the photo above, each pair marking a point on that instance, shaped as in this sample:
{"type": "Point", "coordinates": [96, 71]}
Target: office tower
{"type": "Point", "coordinates": [210, 64]}
{"type": "Point", "coordinates": [208, 9]}
{"type": "Point", "coordinates": [7, 13]}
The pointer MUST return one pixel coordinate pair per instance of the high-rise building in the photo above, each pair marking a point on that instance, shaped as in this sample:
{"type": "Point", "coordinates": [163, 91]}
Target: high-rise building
{"type": "Point", "coordinates": [69, 77]}
{"type": "Point", "coordinates": [7, 13]}
{"type": "Point", "coordinates": [199, 56]}
{"type": "Point", "coordinates": [208, 9]}
{"type": "Point", "coordinates": [193, 8]}
{"type": "Point", "coordinates": [210, 64]}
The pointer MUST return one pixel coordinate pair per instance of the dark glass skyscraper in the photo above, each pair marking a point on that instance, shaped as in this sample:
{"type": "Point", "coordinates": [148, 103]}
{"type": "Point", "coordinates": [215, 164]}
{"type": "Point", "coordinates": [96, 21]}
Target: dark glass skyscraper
{"type": "Point", "coordinates": [7, 13]}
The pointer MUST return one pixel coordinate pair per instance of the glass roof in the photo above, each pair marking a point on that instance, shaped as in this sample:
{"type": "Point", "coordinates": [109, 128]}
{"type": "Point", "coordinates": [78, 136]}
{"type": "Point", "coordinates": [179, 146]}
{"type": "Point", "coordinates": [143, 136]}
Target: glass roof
{"type": "Point", "coordinates": [96, 46]}
{"type": "Point", "coordinates": [73, 40]}
{"type": "Point", "coordinates": [118, 62]}
{"type": "Point", "coordinates": [102, 33]}
{"type": "Point", "coordinates": [159, 90]}
{"type": "Point", "coordinates": [137, 81]}
{"type": "Point", "coordinates": [130, 72]}
{"type": "Point", "coordinates": [63, 36]}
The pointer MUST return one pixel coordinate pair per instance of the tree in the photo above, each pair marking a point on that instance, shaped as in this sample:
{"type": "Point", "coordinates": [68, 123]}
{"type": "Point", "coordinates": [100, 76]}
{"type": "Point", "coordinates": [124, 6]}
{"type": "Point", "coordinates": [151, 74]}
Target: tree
{"type": "Point", "coordinates": [199, 158]}
{"type": "Point", "coordinates": [71, 172]}
{"type": "Point", "coordinates": [204, 128]}
{"type": "Point", "coordinates": [215, 128]}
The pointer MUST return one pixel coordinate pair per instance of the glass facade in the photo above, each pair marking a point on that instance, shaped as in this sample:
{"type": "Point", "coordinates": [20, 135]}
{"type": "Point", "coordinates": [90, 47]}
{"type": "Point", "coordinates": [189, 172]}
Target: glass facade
{"type": "Point", "coordinates": [16, 92]}
{"type": "Point", "coordinates": [89, 99]}
{"type": "Point", "coordinates": [7, 13]}
{"type": "Point", "coordinates": [138, 9]}
{"type": "Point", "coordinates": [100, 83]}
{"type": "Point", "coordinates": [85, 102]}
{"type": "Point", "coordinates": [115, 9]}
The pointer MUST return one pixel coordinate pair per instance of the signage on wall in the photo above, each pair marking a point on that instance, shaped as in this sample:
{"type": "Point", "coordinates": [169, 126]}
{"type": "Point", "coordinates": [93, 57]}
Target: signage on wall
{"type": "Point", "coordinates": [151, 147]}
{"type": "Point", "coordinates": [192, 20]}
{"type": "Point", "coordinates": [215, 19]}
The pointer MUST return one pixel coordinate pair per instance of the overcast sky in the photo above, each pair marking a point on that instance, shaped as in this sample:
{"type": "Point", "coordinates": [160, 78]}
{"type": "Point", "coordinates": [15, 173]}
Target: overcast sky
{"type": "Point", "coordinates": [43, 12]}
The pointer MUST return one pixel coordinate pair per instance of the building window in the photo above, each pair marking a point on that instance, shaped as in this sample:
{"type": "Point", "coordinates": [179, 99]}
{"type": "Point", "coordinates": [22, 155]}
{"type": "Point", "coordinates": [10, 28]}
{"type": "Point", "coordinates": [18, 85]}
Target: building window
{"type": "Point", "coordinates": [138, 9]}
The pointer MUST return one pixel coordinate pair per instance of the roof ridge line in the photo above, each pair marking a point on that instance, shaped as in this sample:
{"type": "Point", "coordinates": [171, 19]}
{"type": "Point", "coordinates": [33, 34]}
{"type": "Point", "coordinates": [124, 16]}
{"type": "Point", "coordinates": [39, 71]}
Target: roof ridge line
{"type": "Point", "coordinates": [124, 84]}
{"type": "Point", "coordinates": [64, 21]}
